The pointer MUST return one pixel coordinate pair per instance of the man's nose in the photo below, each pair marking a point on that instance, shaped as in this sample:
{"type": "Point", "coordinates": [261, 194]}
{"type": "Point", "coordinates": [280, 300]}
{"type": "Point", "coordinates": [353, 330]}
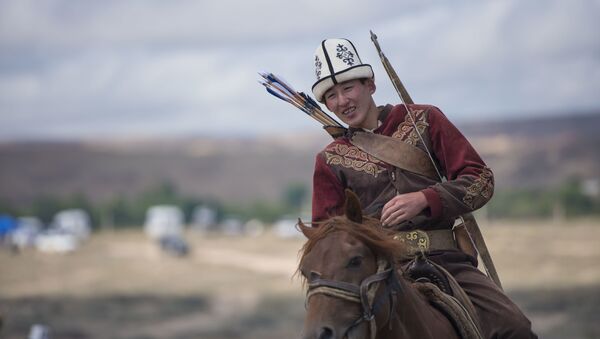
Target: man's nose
{"type": "Point", "coordinates": [343, 99]}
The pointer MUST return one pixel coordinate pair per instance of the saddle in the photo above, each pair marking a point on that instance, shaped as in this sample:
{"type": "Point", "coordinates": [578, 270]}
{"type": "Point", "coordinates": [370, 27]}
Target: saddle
{"type": "Point", "coordinates": [444, 293]}
{"type": "Point", "coordinates": [422, 270]}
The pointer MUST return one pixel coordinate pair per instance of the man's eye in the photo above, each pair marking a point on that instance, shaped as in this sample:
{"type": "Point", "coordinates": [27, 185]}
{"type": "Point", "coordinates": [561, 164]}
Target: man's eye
{"type": "Point", "coordinates": [354, 262]}
{"type": "Point", "coordinates": [348, 88]}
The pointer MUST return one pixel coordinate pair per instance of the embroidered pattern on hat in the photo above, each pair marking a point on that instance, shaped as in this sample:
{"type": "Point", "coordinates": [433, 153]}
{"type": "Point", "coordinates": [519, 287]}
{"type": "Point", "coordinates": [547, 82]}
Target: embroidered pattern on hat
{"type": "Point", "coordinates": [345, 55]}
{"type": "Point", "coordinates": [318, 65]}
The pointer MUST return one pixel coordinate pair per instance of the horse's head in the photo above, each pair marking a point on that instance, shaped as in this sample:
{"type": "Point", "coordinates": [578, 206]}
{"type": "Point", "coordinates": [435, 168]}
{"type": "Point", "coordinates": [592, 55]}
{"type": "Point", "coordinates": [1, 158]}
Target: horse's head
{"type": "Point", "coordinates": [344, 262]}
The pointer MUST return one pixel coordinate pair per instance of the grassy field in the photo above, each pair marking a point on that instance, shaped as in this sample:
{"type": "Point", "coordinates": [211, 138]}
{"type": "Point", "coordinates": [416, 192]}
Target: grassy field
{"type": "Point", "coordinates": [120, 285]}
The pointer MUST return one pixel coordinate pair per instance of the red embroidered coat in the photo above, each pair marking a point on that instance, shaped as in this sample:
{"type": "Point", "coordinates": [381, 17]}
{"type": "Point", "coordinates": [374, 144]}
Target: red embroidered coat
{"type": "Point", "coordinates": [341, 165]}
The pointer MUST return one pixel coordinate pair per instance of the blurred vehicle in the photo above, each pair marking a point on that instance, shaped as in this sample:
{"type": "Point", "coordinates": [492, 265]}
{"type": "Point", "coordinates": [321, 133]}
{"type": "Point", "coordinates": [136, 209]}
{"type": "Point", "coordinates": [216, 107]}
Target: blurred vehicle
{"type": "Point", "coordinates": [163, 220]}
{"type": "Point", "coordinates": [73, 221]}
{"type": "Point", "coordinates": [232, 226]}
{"type": "Point", "coordinates": [286, 228]}
{"type": "Point", "coordinates": [26, 232]}
{"type": "Point", "coordinates": [174, 245]}
{"type": "Point", "coordinates": [56, 241]}
{"type": "Point", "coordinates": [7, 225]}
{"type": "Point", "coordinates": [39, 331]}
{"type": "Point", "coordinates": [254, 228]}
{"type": "Point", "coordinates": [204, 219]}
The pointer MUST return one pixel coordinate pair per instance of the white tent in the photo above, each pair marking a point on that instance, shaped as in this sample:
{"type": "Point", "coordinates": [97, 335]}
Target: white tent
{"type": "Point", "coordinates": [73, 221]}
{"type": "Point", "coordinates": [163, 220]}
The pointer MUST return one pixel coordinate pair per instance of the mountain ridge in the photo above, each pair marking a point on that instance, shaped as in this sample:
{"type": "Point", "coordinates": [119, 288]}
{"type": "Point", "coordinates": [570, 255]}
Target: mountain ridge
{"type": "Point", "coordinates": [537, 152]}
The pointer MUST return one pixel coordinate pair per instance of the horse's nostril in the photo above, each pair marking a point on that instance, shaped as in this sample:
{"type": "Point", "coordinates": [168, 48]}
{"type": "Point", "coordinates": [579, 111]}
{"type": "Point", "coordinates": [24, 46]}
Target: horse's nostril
{"type": "Point", "coordinates": [326, 333]}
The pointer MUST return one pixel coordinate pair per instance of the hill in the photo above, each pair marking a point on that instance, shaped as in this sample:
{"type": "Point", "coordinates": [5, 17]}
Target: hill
{"type": "Point", "coordinates": [530, 152]}
{"type": "Point", "coordinates": [539, 152]}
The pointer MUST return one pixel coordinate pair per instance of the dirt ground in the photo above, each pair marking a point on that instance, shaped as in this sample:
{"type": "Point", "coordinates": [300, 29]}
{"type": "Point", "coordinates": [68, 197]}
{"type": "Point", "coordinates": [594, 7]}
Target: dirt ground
{"type": "Point", "coordinates": [120, 285]}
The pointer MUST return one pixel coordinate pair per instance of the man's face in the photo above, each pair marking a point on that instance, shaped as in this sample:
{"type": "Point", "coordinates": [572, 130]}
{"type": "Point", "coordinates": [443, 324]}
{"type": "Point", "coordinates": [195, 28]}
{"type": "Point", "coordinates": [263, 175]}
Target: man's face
{"type": "Point", "coordinates": [351, 101]}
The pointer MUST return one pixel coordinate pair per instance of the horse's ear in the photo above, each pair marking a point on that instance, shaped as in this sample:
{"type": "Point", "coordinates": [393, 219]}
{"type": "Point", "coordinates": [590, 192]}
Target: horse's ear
{"type": "Point", "coordinates": [306, 230]}
{"type": "Point", "coordinates": [352, 207]}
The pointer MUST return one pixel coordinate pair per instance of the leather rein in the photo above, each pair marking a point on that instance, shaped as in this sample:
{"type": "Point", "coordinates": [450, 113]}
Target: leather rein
{"type": "Point", "coordinates": [363, 294]}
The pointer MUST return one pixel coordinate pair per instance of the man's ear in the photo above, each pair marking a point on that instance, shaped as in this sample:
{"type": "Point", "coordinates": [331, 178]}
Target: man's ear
{"type": "Point", "coordinates": [371, 85]}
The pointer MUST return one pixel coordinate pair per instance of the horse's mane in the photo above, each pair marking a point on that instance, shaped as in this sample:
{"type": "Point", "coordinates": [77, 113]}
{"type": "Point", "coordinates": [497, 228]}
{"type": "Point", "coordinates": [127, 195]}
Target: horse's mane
{"type": "Point", "coordinates": [370, 232]}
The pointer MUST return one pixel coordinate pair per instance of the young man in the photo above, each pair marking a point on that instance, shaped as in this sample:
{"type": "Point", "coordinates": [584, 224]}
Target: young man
{"type": "Point", "coordinates": [402, 199]}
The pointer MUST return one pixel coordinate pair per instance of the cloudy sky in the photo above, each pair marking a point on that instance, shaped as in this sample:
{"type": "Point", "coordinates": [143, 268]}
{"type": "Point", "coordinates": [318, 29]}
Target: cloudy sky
{"type": "Point", "coordinates": [71, 69]}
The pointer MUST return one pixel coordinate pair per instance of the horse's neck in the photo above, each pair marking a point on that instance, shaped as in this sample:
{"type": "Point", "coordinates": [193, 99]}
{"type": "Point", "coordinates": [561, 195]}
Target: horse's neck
{"type": "Point", "coordinates": [415, 317]}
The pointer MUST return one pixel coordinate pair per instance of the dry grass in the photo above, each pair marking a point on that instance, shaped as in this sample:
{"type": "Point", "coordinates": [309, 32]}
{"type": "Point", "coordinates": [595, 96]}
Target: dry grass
{"type": "Point", "coordinates": [540, 255]}
{"type": "Point", "coordinates": [119, 285]}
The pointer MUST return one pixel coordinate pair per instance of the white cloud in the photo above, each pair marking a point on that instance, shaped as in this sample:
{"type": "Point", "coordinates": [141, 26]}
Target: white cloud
{"type": "Point", "coordinates": [73, 68]}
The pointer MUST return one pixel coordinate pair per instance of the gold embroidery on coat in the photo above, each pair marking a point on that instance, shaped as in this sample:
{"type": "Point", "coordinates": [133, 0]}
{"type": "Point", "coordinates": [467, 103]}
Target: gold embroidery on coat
{"type": "Point", "coordinates": [354, 158]}
{"type": "Point", "coordinates": [406, 130]}
{"type": "Point", "coordinates": [482, 186]}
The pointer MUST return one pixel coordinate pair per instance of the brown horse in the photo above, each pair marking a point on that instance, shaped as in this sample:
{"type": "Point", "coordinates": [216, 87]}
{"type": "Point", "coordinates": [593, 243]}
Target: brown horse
{"type": "Point", "coordinates": [354, 288]}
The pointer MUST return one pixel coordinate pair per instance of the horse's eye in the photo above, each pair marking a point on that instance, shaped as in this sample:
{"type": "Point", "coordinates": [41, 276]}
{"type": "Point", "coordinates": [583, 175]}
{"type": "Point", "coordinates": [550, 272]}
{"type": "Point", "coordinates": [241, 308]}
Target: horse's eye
{"type": "Point", "coordinates": [314, 276]}
{"type": "Point", "coordinates": [355, 262]}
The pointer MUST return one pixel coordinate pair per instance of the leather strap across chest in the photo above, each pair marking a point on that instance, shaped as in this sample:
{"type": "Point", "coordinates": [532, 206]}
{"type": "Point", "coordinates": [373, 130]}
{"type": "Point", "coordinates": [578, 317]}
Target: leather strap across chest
{"type": "Point", "coordinates": [395, 152]}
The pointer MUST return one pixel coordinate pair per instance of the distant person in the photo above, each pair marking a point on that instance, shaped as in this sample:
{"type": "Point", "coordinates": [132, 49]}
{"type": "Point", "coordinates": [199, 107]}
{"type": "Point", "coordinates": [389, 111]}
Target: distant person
{"type": "Point", "coordinates": [404, 200]}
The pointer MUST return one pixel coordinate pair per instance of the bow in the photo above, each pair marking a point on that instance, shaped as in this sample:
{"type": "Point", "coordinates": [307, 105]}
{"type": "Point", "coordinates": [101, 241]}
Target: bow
{"type": "Point", "coordinates": [468, 220]}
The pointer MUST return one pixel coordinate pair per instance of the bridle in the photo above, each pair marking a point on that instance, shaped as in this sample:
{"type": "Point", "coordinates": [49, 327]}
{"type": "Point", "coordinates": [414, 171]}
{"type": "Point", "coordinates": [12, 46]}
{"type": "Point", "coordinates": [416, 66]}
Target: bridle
{"type": "Point", "coordinates": [363, 294]}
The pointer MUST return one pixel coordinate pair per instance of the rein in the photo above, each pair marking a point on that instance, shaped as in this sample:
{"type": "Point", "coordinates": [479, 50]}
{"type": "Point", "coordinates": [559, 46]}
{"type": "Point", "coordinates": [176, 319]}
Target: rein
{"type": "Point", "coordinates": [363, 294]}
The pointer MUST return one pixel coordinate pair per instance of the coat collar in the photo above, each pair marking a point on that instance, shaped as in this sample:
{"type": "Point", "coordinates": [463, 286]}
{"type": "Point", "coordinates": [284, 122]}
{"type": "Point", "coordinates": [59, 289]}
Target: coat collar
{"type": "Point", "coordinates": [384, 111]}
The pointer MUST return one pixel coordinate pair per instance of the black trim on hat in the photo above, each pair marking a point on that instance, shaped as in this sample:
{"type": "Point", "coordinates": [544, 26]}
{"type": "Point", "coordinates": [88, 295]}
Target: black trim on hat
{"type": "Point", "coordinates": [329, 64]}
{"type": "Point", "coordinates": [341, 72]}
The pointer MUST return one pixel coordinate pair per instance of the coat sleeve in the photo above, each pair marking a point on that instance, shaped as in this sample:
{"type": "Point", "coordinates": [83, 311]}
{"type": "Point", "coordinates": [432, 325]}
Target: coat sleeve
{"type": "Point", "coordinates": [328, 192]}
{"type": "Point", "coordinates": [470, 183]}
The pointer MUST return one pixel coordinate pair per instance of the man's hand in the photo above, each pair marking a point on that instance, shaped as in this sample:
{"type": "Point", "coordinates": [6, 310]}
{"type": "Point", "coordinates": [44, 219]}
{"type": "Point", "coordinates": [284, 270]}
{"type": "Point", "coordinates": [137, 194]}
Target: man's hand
{"type": "Point", "coordinates": [403, 207]}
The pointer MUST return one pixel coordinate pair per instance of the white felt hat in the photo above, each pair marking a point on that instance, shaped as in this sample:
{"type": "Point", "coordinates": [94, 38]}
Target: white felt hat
{"type": "Point", "coordinates": [336, 60]}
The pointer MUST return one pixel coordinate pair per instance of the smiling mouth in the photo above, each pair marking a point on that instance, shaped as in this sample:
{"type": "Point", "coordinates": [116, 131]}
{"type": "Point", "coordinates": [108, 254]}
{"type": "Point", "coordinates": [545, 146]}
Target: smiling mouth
{"type": "Point", "coordinates": [349, 111]}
